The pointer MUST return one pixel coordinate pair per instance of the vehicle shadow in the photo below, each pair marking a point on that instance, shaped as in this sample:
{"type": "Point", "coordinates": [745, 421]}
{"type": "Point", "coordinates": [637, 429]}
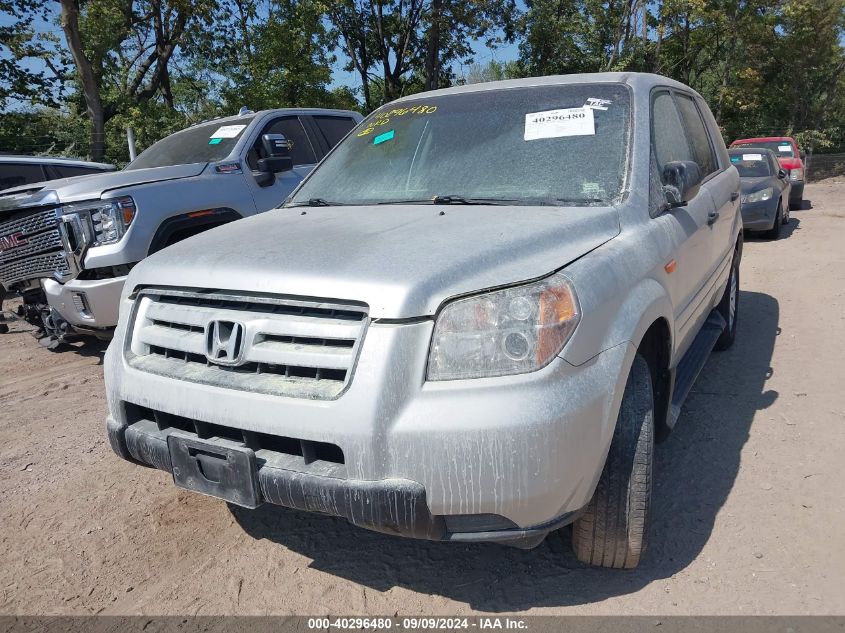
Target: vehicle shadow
{"type": "Point", "coordinates": [695, 470]}
{"type": "Point", "coordinates": [806, 205]}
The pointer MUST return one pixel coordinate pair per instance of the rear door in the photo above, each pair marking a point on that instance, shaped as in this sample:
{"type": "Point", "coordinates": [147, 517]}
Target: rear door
{"type": "Point", "coordinates": [688, 224]}
{"type": "Point", "coordinates": [303, 151]}
{"type": "Point", "coordinates": [329, 129]}
{"type": "Point", "coordinates": [720, 182]}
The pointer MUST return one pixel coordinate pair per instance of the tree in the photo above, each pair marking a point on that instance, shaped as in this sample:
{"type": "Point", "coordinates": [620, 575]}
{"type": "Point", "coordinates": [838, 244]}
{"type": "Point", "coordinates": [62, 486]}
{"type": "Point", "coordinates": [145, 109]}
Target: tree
{"type": "Point", "coordinates": [22, 42]}
{"type": "Point", "coordinates": [274, 54]}
{"type": "Point", "coordinates": [122, 52]}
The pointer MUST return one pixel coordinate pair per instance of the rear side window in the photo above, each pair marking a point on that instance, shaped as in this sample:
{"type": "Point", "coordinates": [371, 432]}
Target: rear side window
{"type": "Point", "coordinates": [333, 128]}
{"type": "Point", "coordinates": [17, 174]}
{"type": "Point", "coordinates": [66, 171]}
{"type": "Point", "coordinates": [301, 149]}
{"type": "Point", "coordinates": [667, 132]}
{"type": "Point", "coordinates": [699, 141]}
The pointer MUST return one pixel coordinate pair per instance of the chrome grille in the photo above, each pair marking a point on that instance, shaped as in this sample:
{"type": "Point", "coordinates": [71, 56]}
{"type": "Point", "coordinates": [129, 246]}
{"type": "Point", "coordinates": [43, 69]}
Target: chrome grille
{"type": "Point", "coordinates": [49, 265]}
{"type": "Point", "coordinates": [30, 223]}
{"type": "Point", "coordinates": [42, 253]}
{"type": "Point", "coordinates": [290, 347]}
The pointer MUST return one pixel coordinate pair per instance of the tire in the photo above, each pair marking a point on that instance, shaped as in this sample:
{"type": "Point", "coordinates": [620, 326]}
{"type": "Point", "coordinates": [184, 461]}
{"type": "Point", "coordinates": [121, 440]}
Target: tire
{"type": "Point", "coordinates": [774, 232]}
{"type": "Point", "coordinates": [787, 216]}
{"type": "Point", "coordinates": [729, 308]}
{"type": "Point", "coordinates": [613, 530]}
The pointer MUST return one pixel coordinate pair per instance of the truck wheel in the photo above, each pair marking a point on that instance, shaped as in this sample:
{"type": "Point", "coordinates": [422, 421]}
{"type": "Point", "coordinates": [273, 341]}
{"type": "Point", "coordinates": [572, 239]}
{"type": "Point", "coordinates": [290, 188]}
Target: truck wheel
{"type": "Point", "coordinates": [774, 232]}
{"type": "Point", "coordinates": [729, 308]}
{"type": "Point", "coordinates": [613, 530]}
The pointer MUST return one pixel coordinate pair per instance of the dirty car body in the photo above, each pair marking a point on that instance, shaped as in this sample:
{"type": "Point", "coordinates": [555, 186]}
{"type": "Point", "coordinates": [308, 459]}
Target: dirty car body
{"type": "Point", "coordinates": [432, 337]}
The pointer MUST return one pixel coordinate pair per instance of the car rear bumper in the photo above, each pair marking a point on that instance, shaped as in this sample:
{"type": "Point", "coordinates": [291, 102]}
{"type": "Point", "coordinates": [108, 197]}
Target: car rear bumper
{"type": "Point", "coordinates": [497, 459]}
{"type": "Point", "coordinates": [86, 303]}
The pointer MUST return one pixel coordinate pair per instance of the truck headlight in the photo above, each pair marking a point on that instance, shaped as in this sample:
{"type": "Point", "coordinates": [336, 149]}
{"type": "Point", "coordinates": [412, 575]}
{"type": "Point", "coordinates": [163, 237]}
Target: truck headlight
{"type": "Point", "coordinates": [109, 218]}
{"type": "Point", "coordinates": [511, 331]}
{"type": "Point", "coordinates": [759, 196]}
{"type": "Point", "coordinates": [796, 174]}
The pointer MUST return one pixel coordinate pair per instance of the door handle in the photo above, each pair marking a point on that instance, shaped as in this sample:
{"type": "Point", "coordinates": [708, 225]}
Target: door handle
{"type": "Point", "coordinates": [712, 217]}
{"type": "Point", "coordinates": [734, 195]}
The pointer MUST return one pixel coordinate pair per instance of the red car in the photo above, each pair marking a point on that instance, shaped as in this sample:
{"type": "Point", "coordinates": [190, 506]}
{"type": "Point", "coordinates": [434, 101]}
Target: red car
{"type": "Point", "coordinates": [791, 159]}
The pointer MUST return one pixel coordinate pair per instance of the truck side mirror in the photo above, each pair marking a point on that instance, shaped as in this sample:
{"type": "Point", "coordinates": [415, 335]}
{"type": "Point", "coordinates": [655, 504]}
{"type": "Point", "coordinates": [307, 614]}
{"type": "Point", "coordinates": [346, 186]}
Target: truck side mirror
{"type": "Point", "coordinates": [276, 159]}
{"type": "Point", "coordinates": [681, 181]}
{"type": "Point", "coordinates": [782, 173]}
{"type": "Point", "coordinates": [802, 154]}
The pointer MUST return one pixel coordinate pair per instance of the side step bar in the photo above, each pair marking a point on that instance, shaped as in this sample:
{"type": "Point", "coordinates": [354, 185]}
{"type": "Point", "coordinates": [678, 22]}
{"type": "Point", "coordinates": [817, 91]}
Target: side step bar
{"type": "Point", "coordinates": [693, 361]}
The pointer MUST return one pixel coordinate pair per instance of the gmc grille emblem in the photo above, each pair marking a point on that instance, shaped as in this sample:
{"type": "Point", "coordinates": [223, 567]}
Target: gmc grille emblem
{"type": "Point", "coordinates": [8, 242]}
{"type": "Point", "coordinates": [224, 342]}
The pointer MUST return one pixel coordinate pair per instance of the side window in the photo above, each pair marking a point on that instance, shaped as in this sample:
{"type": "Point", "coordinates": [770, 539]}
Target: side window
{"type": "Point", "coordinates": [17, 174]}
{"type": "Point", "coordinates": [66, 171]}
{"type": "Point", "coordinates": [333, 128]}
{"type": "Point", "coordinates": [668, 140]}
{"type": "Point", "coordinates": [697, 134]}
{"type": "Point", "coordinates": [301, 149]}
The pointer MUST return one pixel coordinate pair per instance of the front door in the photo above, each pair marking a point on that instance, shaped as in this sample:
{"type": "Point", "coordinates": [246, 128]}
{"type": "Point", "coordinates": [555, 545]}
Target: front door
{"type": "Point", "coordinates": [303, 152]}
{"type": "Point", "coordinates": [688, 225]}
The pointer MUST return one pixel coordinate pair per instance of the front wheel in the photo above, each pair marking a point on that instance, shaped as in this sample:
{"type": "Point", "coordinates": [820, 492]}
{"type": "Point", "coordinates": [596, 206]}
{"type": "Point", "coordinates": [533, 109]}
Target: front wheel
{"type": "Point", "coordinates": [613, 531]}
{"type": "Point", "coordinates": [774, 232]}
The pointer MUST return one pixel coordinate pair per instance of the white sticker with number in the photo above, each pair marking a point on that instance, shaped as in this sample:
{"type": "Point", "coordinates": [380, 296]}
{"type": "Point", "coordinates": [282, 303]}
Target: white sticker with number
{"type": "Point", "coordinates": [557, 123]}
{"type": "Point", "coordinates": [228, 131]}
{"type": "Point", "coordinates": [752, 157]}
{"type": "Point", "coordinates": [784, 148]}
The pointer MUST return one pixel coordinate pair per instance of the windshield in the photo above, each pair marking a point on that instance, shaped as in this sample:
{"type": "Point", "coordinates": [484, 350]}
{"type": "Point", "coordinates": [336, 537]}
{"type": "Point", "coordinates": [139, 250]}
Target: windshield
{"type": "Point", "coordinates": [782, 149]}
{"type": "Point", "coordinates": [204, 143]}
{"type": "Point", "coordinates": [751, 164]}
{"type": "Point", "coordinates": [556, 145]}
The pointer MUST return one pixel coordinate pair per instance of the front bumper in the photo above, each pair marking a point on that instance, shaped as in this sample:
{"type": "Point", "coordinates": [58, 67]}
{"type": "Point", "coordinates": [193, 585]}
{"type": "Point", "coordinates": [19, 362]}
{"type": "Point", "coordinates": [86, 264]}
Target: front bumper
{"type": "Point", "coordinates": [498, 459]}
{"type": "Point", "coordinates": [759, 216]}
{"type": "Point", "coordinates": [86, 304]}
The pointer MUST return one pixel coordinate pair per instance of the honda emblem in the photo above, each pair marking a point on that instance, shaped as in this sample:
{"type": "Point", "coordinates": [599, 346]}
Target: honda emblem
{"type": "Point", "coordinates": [224, 342]}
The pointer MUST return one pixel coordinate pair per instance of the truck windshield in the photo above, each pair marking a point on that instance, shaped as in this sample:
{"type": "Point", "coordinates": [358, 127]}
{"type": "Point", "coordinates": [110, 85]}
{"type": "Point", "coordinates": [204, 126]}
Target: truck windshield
{"type": "Point", "coordinates": [558, 145]}
{"type": "Point", "coordinates": [204, 143]}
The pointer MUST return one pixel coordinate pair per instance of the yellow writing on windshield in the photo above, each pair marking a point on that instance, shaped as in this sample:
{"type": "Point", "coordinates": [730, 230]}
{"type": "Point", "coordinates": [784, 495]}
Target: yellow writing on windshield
{"type": "Point", "coordinates": [383, 118]}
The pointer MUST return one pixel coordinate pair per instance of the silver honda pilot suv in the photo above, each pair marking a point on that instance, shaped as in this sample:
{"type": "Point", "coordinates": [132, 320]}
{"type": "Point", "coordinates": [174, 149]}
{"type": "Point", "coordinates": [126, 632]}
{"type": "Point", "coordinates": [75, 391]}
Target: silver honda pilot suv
{"type": "Point", "coordinates": [471, 322]}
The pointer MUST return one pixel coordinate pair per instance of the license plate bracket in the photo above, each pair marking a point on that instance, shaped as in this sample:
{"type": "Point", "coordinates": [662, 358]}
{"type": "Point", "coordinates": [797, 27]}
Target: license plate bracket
{"type": "Point", "coordinates": [226, 472]}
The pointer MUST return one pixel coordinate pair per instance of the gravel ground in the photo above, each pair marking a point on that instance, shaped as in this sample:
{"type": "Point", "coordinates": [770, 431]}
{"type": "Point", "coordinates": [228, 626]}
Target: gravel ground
{"type": "Point", "coordinates": [748, 516]}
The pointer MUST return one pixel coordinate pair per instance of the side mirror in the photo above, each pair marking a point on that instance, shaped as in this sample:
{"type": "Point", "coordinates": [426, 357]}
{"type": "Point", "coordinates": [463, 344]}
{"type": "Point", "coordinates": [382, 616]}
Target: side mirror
{"type": "Point", "coordinates": [802, 154]}
{"type": "Point", "coordinates": [681, 181]}
{"type": "Point", "coordinates": [276, 159]}
{"type": "Point", "coordinates": [781, 174]}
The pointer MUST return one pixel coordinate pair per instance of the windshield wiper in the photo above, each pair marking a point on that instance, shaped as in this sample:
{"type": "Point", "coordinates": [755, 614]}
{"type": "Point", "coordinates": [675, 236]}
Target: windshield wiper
{"type": "Point", "coordinates": [465, 200]}
{"type": "Point", "coordinates": [317, 202]}
{"type": "Point", "coordinates": [450, 200]}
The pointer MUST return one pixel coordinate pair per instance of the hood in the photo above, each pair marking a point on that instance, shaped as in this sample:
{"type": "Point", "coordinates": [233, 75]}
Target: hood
{"type": "Point", "coordinates": [401, 260]}
{"type": "Point", "coordinates": [91, 186]}
{"type": "Point", "coordinates": [750, 185]}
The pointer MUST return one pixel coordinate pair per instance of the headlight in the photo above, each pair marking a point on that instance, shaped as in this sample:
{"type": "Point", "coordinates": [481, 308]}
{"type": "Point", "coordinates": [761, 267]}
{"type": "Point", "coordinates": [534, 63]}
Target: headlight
{"type": "Point", "coordinates": [759, 196]}
{"type": "Point", "coordinates": [796, 174]}
{"type": "Point", "coordinates": [109, 218]}
{"type": "Point", "coordinates": [511, 331]}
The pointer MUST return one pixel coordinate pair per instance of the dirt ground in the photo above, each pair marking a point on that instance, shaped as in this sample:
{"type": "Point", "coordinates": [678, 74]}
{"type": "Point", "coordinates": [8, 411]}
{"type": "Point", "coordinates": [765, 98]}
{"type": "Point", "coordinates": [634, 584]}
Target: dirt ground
{"type": "Point", "coordinates": [748, 519]}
